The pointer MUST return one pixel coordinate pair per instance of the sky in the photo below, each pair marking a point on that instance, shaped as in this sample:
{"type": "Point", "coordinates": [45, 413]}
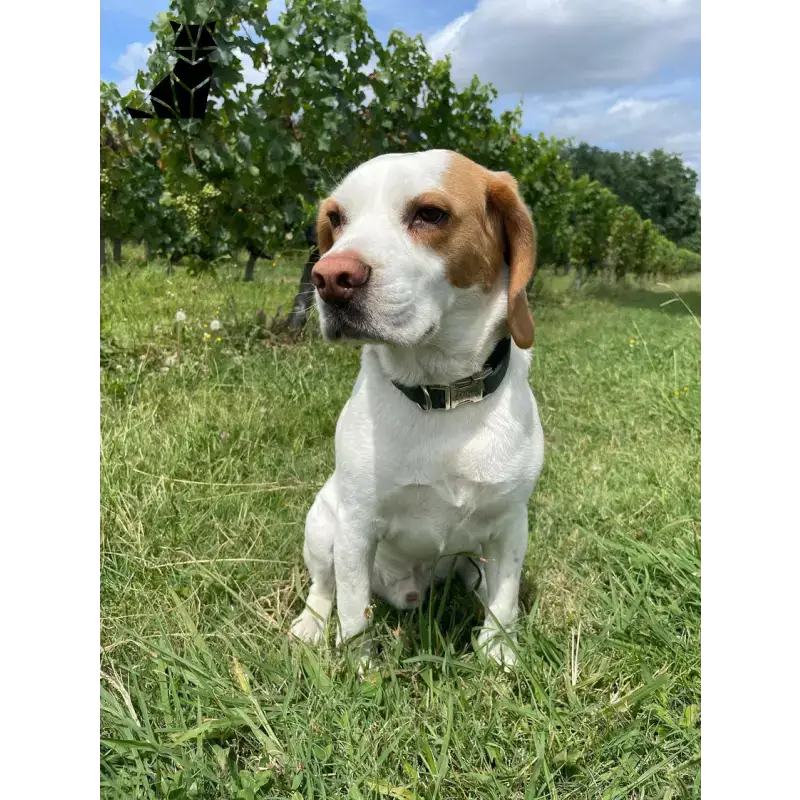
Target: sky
{"type": "Point", "coordinates": [619, 74]}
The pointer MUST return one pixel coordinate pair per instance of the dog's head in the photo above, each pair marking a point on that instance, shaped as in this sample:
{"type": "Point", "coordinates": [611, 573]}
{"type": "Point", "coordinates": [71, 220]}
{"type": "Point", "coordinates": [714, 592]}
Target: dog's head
{"type": "Point", "coordinates": [405, 237]}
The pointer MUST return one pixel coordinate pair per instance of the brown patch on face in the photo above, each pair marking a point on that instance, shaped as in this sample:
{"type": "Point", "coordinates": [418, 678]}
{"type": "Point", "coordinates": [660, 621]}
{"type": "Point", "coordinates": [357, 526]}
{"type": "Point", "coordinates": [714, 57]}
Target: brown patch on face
{"type": "Point", "coordinates": [487, 223]}
{"type": "Point", "coordinates": [327, 230]}
{"type": "Point", "coordinates": [472, 241]}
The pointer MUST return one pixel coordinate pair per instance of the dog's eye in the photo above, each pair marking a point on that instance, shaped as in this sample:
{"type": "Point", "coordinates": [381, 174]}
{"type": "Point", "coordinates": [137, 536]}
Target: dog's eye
{"type": "Point", "coordinates": [430, 215]}
{"type": "Point", "coordinates": [335, 218]}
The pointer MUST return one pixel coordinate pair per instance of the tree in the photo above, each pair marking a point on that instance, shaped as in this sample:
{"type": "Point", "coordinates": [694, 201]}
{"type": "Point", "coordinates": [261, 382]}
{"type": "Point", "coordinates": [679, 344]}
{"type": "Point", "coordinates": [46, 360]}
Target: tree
{"type": "Point", "coordinates": [659, 186]}
{"type": "Point", "coordinates": [327, 96]}
{"type": "Point", "coordinates": [593, 216]}
{"type": "Point", "coordinates": [254, 145]}
{"type": "Point", "coordinates": [626, 230]}
{"type": "Point", "coordinates": [132, 183]}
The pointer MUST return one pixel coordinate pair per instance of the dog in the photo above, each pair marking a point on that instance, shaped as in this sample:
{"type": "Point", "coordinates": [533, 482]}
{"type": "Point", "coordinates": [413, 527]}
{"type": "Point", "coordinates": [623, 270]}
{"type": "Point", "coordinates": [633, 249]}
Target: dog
{"type": "Point", "coordinates": [425, 260]}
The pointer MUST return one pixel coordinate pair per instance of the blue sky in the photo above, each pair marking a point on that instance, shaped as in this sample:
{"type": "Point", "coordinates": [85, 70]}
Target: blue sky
{"type": "Point", "coordinates": [621, 74]}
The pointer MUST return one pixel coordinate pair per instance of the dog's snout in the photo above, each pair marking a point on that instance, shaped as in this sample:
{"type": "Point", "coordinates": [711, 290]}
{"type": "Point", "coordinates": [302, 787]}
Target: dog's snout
{"type": "Point", "coordinates": [337, 276]}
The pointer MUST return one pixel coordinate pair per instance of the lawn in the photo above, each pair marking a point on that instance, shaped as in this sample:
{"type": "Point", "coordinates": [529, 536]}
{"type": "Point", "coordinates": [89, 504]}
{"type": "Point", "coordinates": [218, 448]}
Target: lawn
{"type": "Point", "coordinates": [214, 442]}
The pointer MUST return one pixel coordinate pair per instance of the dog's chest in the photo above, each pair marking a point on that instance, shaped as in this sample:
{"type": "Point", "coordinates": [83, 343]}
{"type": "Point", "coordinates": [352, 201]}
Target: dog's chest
{"type": "Point", "coordinates": [435, 504]}
{"type": "Point", "coordinates": [428, 521]}
{"type": "Point", "coordinates": [437, 483]}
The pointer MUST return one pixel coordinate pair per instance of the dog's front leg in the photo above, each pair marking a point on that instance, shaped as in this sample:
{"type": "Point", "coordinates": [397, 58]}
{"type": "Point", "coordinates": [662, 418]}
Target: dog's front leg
{"type": "Point", "coordinates": [504, 555]}
{"type": "Point", "coordinates": [354, 556]}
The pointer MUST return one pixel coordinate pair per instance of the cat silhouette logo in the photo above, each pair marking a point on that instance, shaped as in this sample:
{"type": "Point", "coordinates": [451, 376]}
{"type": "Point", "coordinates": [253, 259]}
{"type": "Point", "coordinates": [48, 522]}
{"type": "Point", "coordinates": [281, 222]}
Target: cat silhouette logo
{"type": "Point", "coordinates": [183, 94]}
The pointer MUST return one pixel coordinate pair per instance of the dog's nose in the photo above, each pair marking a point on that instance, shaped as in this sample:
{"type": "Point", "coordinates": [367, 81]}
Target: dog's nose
{"type": "Point", "coordinates": [338, 275]}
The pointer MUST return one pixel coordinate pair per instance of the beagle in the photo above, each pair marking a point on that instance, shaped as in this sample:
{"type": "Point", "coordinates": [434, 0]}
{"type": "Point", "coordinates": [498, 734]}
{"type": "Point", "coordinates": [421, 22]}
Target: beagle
{"type": "Point", "coordinates": [425, 262]}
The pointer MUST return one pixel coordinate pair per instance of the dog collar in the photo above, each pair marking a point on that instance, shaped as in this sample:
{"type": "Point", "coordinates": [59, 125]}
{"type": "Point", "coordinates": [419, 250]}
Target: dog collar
{"type": "Point", "coordinates": [466, 390]}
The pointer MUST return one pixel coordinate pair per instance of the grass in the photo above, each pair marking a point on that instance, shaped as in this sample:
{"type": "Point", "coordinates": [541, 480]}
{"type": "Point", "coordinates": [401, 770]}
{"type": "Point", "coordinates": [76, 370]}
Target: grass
{"type": "Point", "coordinates": [208, 469]}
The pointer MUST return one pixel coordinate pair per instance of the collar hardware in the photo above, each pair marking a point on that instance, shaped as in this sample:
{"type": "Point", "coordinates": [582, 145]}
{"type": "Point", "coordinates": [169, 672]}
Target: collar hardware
{"type": "Point", "coordinates": [472, 389]}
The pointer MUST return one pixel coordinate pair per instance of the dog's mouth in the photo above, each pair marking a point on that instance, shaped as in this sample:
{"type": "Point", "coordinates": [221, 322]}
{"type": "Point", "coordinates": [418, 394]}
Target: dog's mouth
{"type": "Point", "coordinates": [355, 322]}
{"type": "Point", "coordinates": [346, 323]}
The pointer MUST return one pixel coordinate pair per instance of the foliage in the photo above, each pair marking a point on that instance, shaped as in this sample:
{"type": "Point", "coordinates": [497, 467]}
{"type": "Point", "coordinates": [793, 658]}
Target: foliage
{"type": "Point", "coordinates": [646, 244]}
{"type": "Point", "coordinates": [547, 188]}
{"type": "Point", "coordinates": [130, 181]}
{"type": "Point", "coordinates": [593, 215]}
{"type": "Point", "coordinates": [659, 185]}
{"type": "Point", "coordinates": [626, 230]}
{"type": "Point", "coordinates": [688, 262]}
{"type": "Point", "coordinates": [328, 96]}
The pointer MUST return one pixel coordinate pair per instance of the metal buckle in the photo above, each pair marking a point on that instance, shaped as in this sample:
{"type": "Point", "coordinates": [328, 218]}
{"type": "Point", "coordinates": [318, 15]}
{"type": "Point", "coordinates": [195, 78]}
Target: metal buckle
{"type": "Point", "coordinates": [428, 403]}
{"type": "Point", "coordinates": [465, 390]}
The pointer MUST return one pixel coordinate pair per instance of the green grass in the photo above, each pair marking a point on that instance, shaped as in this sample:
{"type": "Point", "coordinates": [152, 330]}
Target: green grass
{"type": "Point", "coordinates": [208, 470]}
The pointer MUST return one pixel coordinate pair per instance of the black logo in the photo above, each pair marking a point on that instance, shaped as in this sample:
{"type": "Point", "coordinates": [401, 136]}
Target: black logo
{"type": "Point", "coordinates": [183, 94]}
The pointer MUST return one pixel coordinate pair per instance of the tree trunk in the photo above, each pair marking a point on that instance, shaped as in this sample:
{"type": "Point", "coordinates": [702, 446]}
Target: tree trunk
{"type": "Point", "coordinates": [117, 251]}
{"type": "Point", "coordinates": [148, 253]}
{"type": "Point", "coordinates": [305, 294]}
{"type": "Point", "coordinates": [579, 276]}
{"type": "Point", "coordinates": [251, 266]}
{"type": "Point", "coordinates": [103, 264]}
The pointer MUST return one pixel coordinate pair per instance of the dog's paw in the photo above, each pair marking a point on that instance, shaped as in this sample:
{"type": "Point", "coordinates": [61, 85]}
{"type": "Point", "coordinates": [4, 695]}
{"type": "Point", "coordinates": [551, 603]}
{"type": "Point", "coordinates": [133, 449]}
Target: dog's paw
{"type": "Point", "coordinates": [308, 628]}
{"type": "Point", "coordinates": [495, 645]}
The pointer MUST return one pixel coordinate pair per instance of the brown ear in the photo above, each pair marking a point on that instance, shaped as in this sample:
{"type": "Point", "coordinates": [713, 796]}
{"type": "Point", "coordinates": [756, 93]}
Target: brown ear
{"type": "Point", "coordinates": [521, 236]}
{"type": "Point", "coordinates": [324, 229]}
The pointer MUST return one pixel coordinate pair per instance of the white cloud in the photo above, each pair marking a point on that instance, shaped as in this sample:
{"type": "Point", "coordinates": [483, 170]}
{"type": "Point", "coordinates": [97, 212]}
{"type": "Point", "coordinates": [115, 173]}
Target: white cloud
{"type": "Point", "coordinates": [130, 62]}
{"type": "Point", "coordinates": [134, 58]}
{"type": "Point", "coordinates": [447, 39]}
{"type": "Point", "coordinates": [539, 46]}
{"type": "Point", "coordinates": [252, 75]}
{"type": "Point", "coordinates": [630, 122]}
{"type": "Point", "coordinates": [590, 69]}
{"type": "Point", "coordinates": [274, 10]}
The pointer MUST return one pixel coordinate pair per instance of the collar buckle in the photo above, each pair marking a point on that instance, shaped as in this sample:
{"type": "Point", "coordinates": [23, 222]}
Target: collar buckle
{"type": "Point", "coordinates": [464, 390]}
{"type": "Point", "coordinates": [472, 389]}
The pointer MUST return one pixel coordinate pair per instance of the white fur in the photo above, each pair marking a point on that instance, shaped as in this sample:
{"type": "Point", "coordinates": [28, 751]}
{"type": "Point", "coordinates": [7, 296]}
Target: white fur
{"type": "Point", "coordinates": [412, 489]}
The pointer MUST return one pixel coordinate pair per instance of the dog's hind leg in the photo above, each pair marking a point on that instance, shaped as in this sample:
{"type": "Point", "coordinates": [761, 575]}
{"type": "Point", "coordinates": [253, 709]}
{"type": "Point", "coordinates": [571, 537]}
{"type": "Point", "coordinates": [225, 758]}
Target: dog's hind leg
{"type": "Point", "coordinates": [318, 554]}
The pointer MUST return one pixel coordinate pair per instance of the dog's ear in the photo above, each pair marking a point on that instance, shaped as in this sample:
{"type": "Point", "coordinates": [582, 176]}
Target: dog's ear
{"type": "Point", "coordinates": [520, 247]}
